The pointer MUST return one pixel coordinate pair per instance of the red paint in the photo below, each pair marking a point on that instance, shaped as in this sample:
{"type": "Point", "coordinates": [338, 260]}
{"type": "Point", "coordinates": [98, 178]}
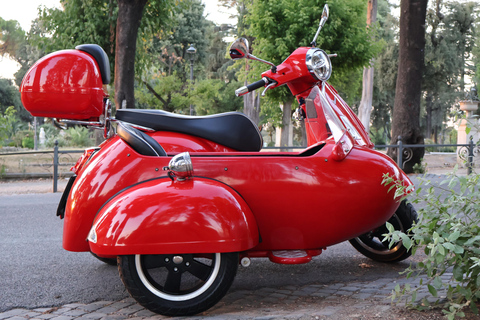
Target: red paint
{"type": "Point", "coordinates": [65, 84]}
{"type": "Point", "coordinates": [195, 216]}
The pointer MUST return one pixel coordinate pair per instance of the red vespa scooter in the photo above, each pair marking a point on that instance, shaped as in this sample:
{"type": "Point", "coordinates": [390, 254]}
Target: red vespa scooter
{"type": "Point", "coordinates": [178, 201]}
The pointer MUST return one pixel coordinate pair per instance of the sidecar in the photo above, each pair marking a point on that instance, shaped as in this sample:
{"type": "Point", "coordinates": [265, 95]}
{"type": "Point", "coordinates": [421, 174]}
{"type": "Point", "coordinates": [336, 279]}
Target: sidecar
{"type": "Point", "coordinates": [180, 200]}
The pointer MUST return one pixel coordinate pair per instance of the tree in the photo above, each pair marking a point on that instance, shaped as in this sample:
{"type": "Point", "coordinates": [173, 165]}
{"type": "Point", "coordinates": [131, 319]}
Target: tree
{"type": "Point", "coordinates": [102, 22]}
{"type": "Point", "coordinates": [11, 37]}
{"type": "Point", "coordinates": [450, 26]}
{"type": "Point", "coordinates": [15, 45]}
{"type": "Point", "coordinates": [78, 22]}
{"type": "Point", "coordinates": [386, 69]}
{"type": "Point", "coordinates": [10, 97]}
{"type": "Point", "coordinates": [129, 16]}
{"type": "Point", "coordinates": [168, 79]}
{"type": "Point", "coordinates": [251, 100]}
{"type": "Point", "coordinates": [7, 121]}
{"type": "Point", "coordinates": [365, 106]}
{"type": "Point", "coordinates": [406, 111]}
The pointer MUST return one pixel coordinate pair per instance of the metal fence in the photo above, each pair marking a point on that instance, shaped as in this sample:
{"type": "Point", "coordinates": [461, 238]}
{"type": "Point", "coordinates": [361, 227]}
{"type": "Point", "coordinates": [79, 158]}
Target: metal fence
{"type": "Point", "coordinates": [48, 164]}
{"type": "Point", "coordinates": [466, 152]}
{"type": "Point", "coordinates": [55, 164]}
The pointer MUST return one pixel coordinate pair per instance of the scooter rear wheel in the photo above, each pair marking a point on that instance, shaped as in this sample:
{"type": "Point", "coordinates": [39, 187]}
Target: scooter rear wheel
{"type": "Point", "coordinates": [178, 285]}
{"type": "Point", "coordinates": [371, 243]}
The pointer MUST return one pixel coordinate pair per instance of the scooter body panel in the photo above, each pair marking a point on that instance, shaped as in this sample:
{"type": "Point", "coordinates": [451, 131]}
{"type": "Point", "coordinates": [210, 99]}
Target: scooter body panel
{"type": "Point", "coordinates": [295, 199]}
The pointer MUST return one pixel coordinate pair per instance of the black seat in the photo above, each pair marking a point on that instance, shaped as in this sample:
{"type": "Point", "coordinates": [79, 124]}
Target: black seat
{"type": "Point", "coordinates": [139, 141]}
{"type": "Point", "coordinates": [231, 129]}
{"type": "Point", "coordinates": [100, 56]}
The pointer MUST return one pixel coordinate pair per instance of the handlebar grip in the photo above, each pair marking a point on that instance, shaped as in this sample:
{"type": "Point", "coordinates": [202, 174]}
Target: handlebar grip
{"type": "Point", "coordinates": [256, 85]}
{"type": "Point", "coordinates": [253, 86]}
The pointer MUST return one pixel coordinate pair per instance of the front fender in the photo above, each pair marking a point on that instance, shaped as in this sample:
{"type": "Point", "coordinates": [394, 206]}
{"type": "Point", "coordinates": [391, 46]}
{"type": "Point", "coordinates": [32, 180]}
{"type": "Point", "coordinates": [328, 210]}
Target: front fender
{"type": "Point", "coordinates": [163, 217]}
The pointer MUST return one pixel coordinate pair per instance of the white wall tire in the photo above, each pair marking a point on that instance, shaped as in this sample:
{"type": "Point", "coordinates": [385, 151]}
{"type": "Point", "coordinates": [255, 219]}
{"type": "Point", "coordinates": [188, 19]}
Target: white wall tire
{"type": "Point", "coordinates": [178, 285]}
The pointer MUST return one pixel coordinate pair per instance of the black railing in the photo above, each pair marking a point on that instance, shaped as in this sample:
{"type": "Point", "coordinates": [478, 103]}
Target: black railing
{"type": "Point", "coordinates": [49, 164]}
{"type": "Point", "coordinates": [405, 153]}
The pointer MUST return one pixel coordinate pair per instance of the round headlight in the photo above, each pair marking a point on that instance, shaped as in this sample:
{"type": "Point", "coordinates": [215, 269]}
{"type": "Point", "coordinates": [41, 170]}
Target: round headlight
{"type": "Point", "coordinates": [318, 64]}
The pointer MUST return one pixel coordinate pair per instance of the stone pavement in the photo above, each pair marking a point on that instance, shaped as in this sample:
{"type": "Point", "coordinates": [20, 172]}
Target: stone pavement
{"type": "Point", "coordinates": [352, 300]}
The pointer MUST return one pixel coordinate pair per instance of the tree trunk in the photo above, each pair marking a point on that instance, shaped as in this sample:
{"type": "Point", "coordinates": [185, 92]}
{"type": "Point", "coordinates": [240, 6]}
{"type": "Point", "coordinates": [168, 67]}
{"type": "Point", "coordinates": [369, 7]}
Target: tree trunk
{"type": "Point", "coordinates": [365, 107]}
{"type": "Point", "coordinates": [406, 110]}
{"type": "Point", "coordinates": [129, 16]}
{"type": "Point", "coordinates": [285, 138]}
{"type": "Point", "coordinates": [251, 106]}
{"type": "Point", "coordinates": [428, 115]}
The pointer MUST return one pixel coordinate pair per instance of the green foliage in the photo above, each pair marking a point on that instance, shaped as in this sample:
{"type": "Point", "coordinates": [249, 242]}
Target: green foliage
{"type": "Point", "coordinates": [10, 96]}
{"type": "Point", "coordinates": [79, 136]}
{"type": "Point", "coordinates": [16, 45]}
{"type": "Point", "coordinates": [5, 122]}
{"type": "Point", "coordinates": [449, 45]}
{"type": "Point", "coordinates": [215, 96]}
{"type": "Point", "coordinates": [11, 37]}
{"type": "Point", "coordinates": [279, 27]}
{"type": "Point", "coordinates": [79, 22]}
{"type": "Point", "coordinates": [378, 136]}
{"type": "Point", "coordinates": [28, 142]}
{"type": "Point", "coordinates": [420, 167]}
{"type": "Point", "coordinates": [9, 124]}
{"type": "Point", "coordinates": [449, 233]}
{"type": "Point", "coordinates": [71, 137]}
{"type": "Point", "coordinates": [94, 21]}
{"type": "Point", "coordinates": [386, 68]}
{"type": "Point", "coordinates": [22, 139]}
{"type": "Point", "coordinates": [166, 85]}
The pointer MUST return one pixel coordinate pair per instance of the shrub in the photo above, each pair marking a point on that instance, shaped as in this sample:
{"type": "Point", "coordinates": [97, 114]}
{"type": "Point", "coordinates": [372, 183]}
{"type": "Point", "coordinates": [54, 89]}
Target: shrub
{"type": "Point", "coordinates": [71, 137]}
{"type": "Point", "coordinates": [449, 233]}
{"type": "Point", "coordinates": [420, 167]}
{"type": "Point", "coordinates": [28, 142]}
{"type": "Point", "coordinates": [79, 137]}
{"type": "Point", "coordinates": [21, 136]}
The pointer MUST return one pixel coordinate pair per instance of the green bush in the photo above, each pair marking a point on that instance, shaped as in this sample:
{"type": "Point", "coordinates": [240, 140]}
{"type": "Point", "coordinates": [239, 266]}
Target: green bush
{"type": "Point", "coordinates": [448, 232]}
{"type": "Point", "coordinates": [78, 137]}
{"type": "Point", "coordinates": [28, 142]}
{"type": "Point", "coordinates": [420, 167]}
{"type": "Point", "coordinates": [21, 136]}
{"type": "Point", "coordinates": [71, 137]}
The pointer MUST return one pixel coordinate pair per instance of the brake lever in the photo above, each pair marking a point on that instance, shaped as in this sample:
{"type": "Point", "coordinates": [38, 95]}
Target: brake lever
{"type": "Point", "coordinates": [274, 83]}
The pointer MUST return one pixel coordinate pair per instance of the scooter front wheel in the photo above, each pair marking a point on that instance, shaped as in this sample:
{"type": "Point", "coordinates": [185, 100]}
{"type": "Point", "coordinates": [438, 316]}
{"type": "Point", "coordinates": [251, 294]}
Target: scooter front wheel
{"type": "Point", "coordinates": [178, 284]}
{"type": "Point", "coordinates": [371, 244]}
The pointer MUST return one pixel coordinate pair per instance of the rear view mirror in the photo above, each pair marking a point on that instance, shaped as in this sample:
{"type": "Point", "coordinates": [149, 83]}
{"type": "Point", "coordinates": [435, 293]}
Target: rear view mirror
{"type": "Point", "coordinates": [239, 49]}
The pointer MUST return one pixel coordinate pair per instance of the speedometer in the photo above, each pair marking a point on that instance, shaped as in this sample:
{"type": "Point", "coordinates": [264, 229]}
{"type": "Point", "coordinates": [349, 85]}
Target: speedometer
{"type": "Point", "coordinates": [319, 64]}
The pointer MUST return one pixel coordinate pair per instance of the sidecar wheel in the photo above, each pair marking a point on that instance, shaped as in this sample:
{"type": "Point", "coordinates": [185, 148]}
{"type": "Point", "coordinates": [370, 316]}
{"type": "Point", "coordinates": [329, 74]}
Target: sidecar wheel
{"type": "Point", "coordinates": [370, 244]}
{"type": "Point", "coordinates": [178, 285]}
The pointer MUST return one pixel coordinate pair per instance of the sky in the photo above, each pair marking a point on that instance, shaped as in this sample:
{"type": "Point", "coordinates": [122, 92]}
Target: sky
{"type": "Point", "coordinates": [24, 11]}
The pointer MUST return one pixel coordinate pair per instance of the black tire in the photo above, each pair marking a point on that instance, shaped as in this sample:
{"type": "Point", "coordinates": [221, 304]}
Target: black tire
{"type": "Point", "coordinates": [178, 285]}
{"type": "Point", "coordinates": [109, 261]}
{"type": "Point", "coordinates": [370, 244]}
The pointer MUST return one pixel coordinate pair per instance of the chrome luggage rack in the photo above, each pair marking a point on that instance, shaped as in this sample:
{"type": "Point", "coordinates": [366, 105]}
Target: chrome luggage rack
{"type": "Point", "coordinates": [104, 122]}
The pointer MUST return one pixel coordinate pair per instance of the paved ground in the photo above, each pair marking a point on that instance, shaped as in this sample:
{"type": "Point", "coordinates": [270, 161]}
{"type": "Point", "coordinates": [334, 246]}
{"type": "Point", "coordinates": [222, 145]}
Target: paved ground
{"type": "Point", "coordinates": [338, 300]}
{"type": "Point", "coordinates": [353, 300]}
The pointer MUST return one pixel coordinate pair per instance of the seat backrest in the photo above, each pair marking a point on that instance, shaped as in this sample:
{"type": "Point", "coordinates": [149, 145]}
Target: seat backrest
{"type": "Point", "coordinates": [139, 141]}
{"type": "Point", "coordinates": [100, 56]}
